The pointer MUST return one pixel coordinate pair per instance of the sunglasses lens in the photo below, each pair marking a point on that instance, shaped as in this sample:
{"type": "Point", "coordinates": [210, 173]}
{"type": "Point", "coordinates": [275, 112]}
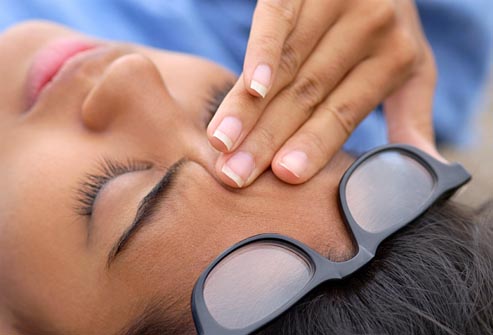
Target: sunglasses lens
{"type": "Point", "coordinates": [254, 281]}
{"type": "Point", "coordinates": [387, 190]}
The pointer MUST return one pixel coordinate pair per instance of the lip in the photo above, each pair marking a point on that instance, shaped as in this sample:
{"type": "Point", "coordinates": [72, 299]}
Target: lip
{"type": "Point", "coordinates": [50, 60]}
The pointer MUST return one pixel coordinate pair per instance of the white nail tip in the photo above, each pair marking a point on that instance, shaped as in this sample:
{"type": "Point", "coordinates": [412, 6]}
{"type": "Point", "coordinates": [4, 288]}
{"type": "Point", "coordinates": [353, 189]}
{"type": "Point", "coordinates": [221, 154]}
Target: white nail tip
{"type": "Point", "coordinates": [223, 138]}
{"type": "Point", "coordinates": [287, 168]}
{"type": "Point", "coordinates": [259, 88]}
{"type": "Point", "coordinates": [233, 176]}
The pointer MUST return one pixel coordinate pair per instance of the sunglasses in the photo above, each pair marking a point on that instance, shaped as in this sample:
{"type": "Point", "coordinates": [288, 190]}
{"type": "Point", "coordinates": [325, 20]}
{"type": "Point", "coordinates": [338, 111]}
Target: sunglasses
{"type": "Point", "coordinates": [257, 280]}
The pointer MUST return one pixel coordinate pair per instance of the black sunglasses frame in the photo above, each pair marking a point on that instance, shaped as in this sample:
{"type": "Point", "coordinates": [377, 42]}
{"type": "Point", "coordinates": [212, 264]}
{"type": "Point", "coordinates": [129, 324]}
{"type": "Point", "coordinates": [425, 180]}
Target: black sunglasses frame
{"type": "Point", "coordinates": [447, 179]}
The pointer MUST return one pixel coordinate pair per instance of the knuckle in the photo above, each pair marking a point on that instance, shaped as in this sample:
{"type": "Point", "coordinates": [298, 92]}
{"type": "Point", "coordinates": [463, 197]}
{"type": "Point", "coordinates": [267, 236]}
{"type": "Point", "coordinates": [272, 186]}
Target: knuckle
{"type": "Point", "coordinates": [265, 139]}
{"type": "Point", "coordinates": [237, 96]}
{"type": "Point", "coordinates": [290, 60]}
{"type": "Point", "coordinates": [316, 142]}
{"type": "Point", "coordinates": [284, 9]}
{"type": "Point", "coordinates": [307, 91]}
{"type": "Point", "coordinates": [381, 14]}
{"type": "Point", "coordinates": [426, 71]}
{"type": "Point", "coordinates": [345, 115]}
{"type": "Point", "coordinates": [268, 43]}
{"type": "Point", "coordinates": [406, 53]}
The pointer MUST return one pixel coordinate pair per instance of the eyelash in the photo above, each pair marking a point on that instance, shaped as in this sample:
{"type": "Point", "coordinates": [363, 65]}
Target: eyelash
{"type": "Point", "coordinates": [110, 169]}
{"type": "Point", "coordinates": [216, 98]}
{"type": "Point", "coordinates": [92, 183]}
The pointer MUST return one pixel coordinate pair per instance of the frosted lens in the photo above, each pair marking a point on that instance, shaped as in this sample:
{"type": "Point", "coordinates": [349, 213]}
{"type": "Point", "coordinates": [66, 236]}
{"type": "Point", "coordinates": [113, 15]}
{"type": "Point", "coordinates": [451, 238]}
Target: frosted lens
{"type": "Point", "coordinates": [387, 190]}
{"type": "Point", "coordinates": [253, 282]}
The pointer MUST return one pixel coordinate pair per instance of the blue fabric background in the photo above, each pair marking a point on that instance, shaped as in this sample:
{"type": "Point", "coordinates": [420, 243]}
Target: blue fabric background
{"type": "Point", "coordinates": [460, 32]}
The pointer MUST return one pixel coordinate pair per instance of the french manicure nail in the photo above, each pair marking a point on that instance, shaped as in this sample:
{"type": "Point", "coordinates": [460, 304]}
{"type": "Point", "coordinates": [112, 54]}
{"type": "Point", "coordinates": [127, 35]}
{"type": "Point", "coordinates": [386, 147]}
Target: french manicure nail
{"type": "Point", "coordinates": [239, 167]}
{"type": "Point", "coordinates": [296, 162]}
{"type": "Point", "coordinates": [228, 131]}
{"type": "Point", "coordinates": [261, 79]}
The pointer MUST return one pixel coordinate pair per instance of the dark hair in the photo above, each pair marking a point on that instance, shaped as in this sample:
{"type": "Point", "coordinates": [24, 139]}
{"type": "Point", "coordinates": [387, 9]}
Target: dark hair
{"type": "Point", "coordinates": [433, 277]}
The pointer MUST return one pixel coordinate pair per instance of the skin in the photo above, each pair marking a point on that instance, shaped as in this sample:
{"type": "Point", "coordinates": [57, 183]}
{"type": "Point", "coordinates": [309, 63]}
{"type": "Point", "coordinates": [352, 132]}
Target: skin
{"type": "Point", "coordinates": [330, 63]}
{"type": "Point", "coordinates": [126, 102]}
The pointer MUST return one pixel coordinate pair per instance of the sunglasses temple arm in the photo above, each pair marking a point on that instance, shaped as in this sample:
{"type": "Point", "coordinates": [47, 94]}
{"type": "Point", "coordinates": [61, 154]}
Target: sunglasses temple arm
{"type": "Point", "coordinates": [454, 176]}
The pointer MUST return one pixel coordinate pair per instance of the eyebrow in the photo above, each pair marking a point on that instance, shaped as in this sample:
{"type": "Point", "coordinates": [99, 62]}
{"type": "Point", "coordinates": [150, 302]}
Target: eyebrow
{"type": "Point", "coordinates": [147, 207]}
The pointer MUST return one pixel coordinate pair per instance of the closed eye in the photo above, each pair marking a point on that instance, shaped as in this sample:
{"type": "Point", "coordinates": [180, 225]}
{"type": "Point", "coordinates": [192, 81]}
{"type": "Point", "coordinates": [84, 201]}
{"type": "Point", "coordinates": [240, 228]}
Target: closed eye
{"type": "Point", "coordinates": [92, 183]}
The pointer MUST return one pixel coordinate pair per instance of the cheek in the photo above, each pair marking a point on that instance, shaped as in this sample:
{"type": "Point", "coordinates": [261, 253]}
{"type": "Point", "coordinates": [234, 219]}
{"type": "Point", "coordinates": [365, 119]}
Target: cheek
{"type": "Point", "coordinates": [19, 44]}
{"type": "Point", "coordinates": [161, 264]}
{"type": "Point", "coordinates": [166, 258]}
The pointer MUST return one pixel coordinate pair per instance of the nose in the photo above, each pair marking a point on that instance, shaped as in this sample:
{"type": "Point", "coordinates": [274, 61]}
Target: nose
{"type": "Point", "coordinates": [132, 100]}
{"type": "Point", "coordinates": [131, 95]}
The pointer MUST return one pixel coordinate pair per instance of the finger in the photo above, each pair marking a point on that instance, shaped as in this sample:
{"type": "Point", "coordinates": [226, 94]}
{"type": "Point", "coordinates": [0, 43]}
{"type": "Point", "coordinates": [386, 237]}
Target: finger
{"type": "Point", "coordinates": [313, 145]}
{"type": "Point", "coordinates": [408, 110]}
{"type": "Point", "coordinates": [331, 61]}
{"type": "Point", "coordinates": [240, 110]}
{"type": "Point", "coordinates": [272, 22]}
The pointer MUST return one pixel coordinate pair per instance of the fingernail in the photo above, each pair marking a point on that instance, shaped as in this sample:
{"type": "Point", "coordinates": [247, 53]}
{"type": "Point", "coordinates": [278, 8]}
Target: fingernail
{"type": "Point", "coordinates": [296, 162]}
{"type": "Point", "coordinates": [261, 79]}
{"type": "Point", "coordinates": [228, 131]}
{"type": "Point", "coordinates": [239, 167]}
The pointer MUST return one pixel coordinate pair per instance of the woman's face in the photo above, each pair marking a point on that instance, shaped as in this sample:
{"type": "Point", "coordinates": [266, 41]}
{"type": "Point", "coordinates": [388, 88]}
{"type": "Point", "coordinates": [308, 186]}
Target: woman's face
{"type": "Point", "coordinates": [120, 116]}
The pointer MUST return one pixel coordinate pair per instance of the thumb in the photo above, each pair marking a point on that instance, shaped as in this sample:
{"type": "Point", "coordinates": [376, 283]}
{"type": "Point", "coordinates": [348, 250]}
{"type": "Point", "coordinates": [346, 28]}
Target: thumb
{"type": "Point", "coordinates": [409, 112]}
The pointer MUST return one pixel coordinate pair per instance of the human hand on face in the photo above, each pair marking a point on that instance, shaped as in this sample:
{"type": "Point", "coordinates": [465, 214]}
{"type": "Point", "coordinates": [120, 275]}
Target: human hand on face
{"type": "Point", "coordinates": [313, 70]}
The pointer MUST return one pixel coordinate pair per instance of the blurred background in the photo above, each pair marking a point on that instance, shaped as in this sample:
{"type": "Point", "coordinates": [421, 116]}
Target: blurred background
{"type": "Point", "coordinates": [478, 158]}
{"type": "Point", "coordinates": [448, 21]}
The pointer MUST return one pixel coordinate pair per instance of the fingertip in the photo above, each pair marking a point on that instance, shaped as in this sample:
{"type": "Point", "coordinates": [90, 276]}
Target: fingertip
{"type": "Point", "coordinates": [230, 178]}
{"type": "Point", "coordinates": [236, 169]}
{"type": "Point", "coordinates": [221, 175]}
{"type": "Point", "coordinates": [260, 81]}
{"type": "Point", "coordinates": [430, 149]}
{"type": "Point", "coordinates": [435, 153]}
{"type": "Point", "coordinates": [286, 175]}
{"type": "Point", "coordinates": [295, 161]}
{"type": "Point", "coordinates": [292, 167]}
{"type": "Point", "coordinates": [218, 145]}
{"type": "Point", "coordinates": [415, 138]}
{"type": "Point", "coordinates": [226, 135]}
{"type": "Point", "coordinates": [257, 89]}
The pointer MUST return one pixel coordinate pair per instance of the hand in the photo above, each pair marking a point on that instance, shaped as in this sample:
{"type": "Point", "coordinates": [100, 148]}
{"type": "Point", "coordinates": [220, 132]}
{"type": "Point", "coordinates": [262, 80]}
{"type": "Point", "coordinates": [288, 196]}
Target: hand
{"type": "Point", "coordinates": [313, 70]}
